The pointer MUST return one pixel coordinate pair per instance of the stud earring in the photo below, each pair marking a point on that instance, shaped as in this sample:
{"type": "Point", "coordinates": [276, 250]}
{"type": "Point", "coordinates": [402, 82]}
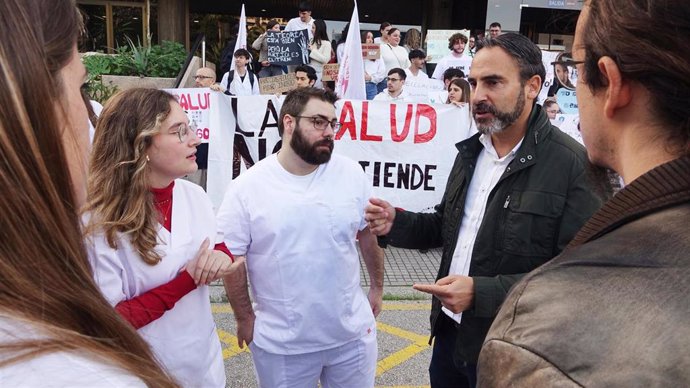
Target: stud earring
{"type": "Point", "coordinates": [147, 158]}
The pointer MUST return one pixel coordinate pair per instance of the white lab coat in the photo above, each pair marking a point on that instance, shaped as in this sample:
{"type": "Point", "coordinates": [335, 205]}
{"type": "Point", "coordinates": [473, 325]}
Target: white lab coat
{"type": "Point", "coordinates": [184, 339]}
{"type": "Point", "coordinates": [239, 87]}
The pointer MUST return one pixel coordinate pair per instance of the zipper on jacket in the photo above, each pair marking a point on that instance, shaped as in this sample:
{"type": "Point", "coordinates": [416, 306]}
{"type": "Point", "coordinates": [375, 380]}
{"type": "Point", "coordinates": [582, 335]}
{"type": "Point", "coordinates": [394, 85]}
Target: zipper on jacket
{"type": "Point", "coordinates": [505, 205]}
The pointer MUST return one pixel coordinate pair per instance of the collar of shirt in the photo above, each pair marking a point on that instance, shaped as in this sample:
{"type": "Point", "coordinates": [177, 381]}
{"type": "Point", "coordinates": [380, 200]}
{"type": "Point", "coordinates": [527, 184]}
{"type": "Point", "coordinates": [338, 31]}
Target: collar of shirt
{"type": "Point", "coordinates": [491, 151]}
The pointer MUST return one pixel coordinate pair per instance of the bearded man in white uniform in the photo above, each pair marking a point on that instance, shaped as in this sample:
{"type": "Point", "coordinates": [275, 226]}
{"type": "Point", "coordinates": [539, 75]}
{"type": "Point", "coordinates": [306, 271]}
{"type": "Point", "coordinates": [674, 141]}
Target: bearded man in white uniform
{"type": "Point", "coordinates": [296, 215]}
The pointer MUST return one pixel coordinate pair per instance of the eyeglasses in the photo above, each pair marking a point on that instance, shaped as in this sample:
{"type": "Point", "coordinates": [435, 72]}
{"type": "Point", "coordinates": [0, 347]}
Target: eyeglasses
{"type": "Point", "coordinates": [183, 130]}
{"type": "Point", "coordinates": [392, 79]}
{"type": "Point", "coordinates": [321, 124]}
{"type": "Point", "coordinates": [202, 77]}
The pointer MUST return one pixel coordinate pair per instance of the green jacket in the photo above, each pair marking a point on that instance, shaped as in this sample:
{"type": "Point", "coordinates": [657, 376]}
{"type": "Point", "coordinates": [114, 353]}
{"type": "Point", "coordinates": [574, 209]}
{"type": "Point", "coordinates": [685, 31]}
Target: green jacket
{"type": "Point", "coordinates": [542, 199]}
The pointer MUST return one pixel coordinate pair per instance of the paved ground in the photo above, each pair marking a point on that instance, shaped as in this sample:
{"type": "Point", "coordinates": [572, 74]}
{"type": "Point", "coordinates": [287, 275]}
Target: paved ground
{"type": "Point", "coordinates": [403, 326]}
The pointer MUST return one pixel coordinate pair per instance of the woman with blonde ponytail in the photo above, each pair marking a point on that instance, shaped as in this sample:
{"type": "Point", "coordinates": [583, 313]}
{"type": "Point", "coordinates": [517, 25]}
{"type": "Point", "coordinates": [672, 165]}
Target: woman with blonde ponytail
{"type": "Point", "coordinates": [56, 329]}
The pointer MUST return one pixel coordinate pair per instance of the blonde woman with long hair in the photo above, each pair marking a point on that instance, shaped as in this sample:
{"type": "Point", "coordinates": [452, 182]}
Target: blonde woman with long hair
{"type": "Point", "coordinates": [56, 329]}
{"type": "Point", "coordinates": [148, 232]}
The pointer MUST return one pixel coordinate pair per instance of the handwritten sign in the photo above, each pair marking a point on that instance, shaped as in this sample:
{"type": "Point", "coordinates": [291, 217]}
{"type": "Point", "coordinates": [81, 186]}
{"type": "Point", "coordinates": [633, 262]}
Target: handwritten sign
{"type": "Point", "coordinates": [288, 48]}
{"type": "Point", "coordinates": [277, 84]}
{"type": "Point", "coordinates": [371, 51]}
{"type": "Point", "coordinates": [330, 72]}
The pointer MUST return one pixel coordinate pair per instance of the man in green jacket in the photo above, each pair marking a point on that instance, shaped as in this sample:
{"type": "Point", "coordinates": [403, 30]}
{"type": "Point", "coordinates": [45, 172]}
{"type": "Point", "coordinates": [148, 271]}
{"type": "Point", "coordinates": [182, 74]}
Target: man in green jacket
{"type": "Point", "coordinates": [518, 192]}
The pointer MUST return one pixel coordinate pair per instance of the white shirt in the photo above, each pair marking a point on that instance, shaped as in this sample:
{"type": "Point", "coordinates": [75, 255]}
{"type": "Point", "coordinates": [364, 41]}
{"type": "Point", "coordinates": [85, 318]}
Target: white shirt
{"type": "Point", "coordinates": [239, 87]}
{"type": "Point", "coordinates": [184, 339]}
{"type": "Point", "coordinates": [386, 96]}
{"type": "Point", "coordinates": [394, 56]}
{"type": "Point", "coordinates": [97, 109]}
{"type": "Point", "coordinates": [296, 24]}
{"type": "Point", "coordinates": [298, 234]}
{"type": "Point", "coordinates": [78, 368]}
{"type": "Point", "coordinates": [486, 175]}
{"type": "Point", "coordinates": [463, 63]}
{"type": "Point", "coordinates": [376, 69]}
{"type": "Point", "coordinates": [417, 86]}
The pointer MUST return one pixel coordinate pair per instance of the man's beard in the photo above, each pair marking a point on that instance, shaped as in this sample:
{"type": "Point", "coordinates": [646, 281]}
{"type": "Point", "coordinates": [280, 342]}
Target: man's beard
{"type": "Point", "coordinates": [501, 120]}
{"type": "Point", "coordinates": [311, 153]}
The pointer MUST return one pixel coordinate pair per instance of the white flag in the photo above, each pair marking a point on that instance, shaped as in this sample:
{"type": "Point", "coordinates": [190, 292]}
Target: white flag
{"type": "Point", "coordinates": [350, 82]}
{"type": "Point", "coordinates": [241, 42]}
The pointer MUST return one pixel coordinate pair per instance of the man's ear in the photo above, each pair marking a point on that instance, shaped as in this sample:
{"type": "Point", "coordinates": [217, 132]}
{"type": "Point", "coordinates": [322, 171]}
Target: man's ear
{"type": "Point", "coordinates": [533, 86]}
{"type": "Point", "coordinates": [288, 124]}
{"type": "Point", "coordinates": [618, 91]}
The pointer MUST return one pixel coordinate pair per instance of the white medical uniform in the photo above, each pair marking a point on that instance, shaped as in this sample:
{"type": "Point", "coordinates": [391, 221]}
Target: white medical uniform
{"type": "Point", "coordinates": [184, 339]}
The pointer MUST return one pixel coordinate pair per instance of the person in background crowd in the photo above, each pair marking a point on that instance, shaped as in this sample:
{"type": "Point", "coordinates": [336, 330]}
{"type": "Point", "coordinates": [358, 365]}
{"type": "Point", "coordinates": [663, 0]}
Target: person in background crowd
{"type": "Point", "coordinates": [416, 78]}
{"type": "Point", "coordinates": [413, 40]}
{"type": "Point", "coordinates": [458, 92]}
{"type": "Point", "coordinates": [612, 310]}
{"type": "Point", "coordinates": [367, 37]}
{"type": "Point", "coordinates": [267, 69]}
{"type": "Point", "coordinates": [472, 43]}
{"type": "Point", "coordinates": [312, 320]}
{"type": "Point", "coordinates": [304, 21]}
{"type": "Point", "coordinates": [494, 29]}
{"type": "Point", "coordinates": [56, 329]}
{"type": "Point", "coordinates": [240, 81]}
{"type": "Point", "coordinates": [148, 232]}
{"type": "Point", "coordinates": [396, 87]}
{"type": "Point", "coordinates": [441, 96]}
{"type": "Point", "coordinates": [340, 46]}
{"type": "Point", "coordinates": [393, 55]}
{"type": "Point", "coordinates": [319, 50]}
{"type": "Point", "coordinates": [374, 70]}
{"type": "Point", "coordinates": [306, 76]}
{"type": "Point", "coordinates": [456, 58]}
{"type": "Point", "coordinates": [517, 194]}
{"type": "Point", "coordinates": [383, 29]}
{"type": "Point", "coordinates": [552, 109]}
{"type": "Point", "coordinates": [205, 78]}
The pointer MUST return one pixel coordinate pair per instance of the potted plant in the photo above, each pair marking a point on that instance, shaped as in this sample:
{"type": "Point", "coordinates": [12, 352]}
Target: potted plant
{"type": "Point", "coordinates": [135, 65]}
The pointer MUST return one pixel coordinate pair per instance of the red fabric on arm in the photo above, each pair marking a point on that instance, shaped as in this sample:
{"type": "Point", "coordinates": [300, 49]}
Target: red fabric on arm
{"type": "Point", "coordinates": [151, 305]}
{"type": "Point", "coordinates": [223, 248]}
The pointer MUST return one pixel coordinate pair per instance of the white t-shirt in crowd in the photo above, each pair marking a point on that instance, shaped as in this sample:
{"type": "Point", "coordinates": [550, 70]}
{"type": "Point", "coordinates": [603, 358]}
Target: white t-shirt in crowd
{"type": "Point", "coordinates": [386, 96]}
{"type": "Point", "coordinates": [298, 234]}
{"type": "Point", "coordinates": [296, 24]}
{"type": "Point", "coordinates": [463, 63]}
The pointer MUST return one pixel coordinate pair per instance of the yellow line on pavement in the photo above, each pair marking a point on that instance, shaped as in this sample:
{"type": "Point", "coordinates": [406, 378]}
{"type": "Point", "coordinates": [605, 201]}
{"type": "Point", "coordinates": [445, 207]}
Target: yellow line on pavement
{"type": "Point", "coordinates": [419, 345]}
{"type": "Point", "coordinates": [406, 306]}
{"type": "Point", "coordinates": [224, 308]}
{"type": "Point", "coordinates": [230, 340]}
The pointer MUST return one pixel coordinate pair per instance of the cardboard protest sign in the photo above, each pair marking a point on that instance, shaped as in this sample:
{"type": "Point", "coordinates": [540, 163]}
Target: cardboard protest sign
{"type": "Point", "coordinates": [371, 51]}
{"type": "Point", "coordinates": [288, 48]}
{"type": "Point", "coordinates": [330, 72]}
{"type": "Point", "coordinates": [277, 84]}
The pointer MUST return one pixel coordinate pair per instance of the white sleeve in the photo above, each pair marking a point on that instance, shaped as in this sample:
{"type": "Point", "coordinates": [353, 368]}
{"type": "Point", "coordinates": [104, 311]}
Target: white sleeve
{"type": "Point", "coordinates": [233, 221]}
{"type": "Point", "coordinates": [290, 26]}
{"type": "Point", "coordinates": [255, 87]}
{"type": "Point", "coordinates": [224, 81]}
{"type": "Point", "coordinates": [108, 271]}
{"type": "Point", "coordinates": [323, 54]}
{"type": "Point", "coordinates": [380, 72]}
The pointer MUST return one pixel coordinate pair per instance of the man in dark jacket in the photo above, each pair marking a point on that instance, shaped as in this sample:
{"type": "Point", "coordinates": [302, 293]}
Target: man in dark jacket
{"type": "Point", "coordinates": [612, 310]}
{"type": "Point", "coordinates": [517, 194]}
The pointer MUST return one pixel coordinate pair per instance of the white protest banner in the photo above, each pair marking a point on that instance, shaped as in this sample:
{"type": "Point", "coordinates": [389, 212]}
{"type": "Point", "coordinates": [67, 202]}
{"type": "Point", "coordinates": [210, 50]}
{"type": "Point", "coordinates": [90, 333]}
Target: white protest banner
{"type": "Point", "coordinates": [197, 104]}
{"type": "Point", "coordinates": [547, 58]}
{"type": "Point", "coordinates": [569, 123]}
{"type": "Point", "coordinates": [407, 150]}
{"type": "Point", "coordinates": [249, 133]}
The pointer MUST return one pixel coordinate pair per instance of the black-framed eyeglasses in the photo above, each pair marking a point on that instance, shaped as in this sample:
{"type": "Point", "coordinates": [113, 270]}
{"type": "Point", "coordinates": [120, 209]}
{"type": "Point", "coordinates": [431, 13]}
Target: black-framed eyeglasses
{"type": "Point", "coordinates": [392, 79]}
{"type": "Point", "coordinates": [183, 130]}
{"type": "Point", "coordinates": [321, 123]}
